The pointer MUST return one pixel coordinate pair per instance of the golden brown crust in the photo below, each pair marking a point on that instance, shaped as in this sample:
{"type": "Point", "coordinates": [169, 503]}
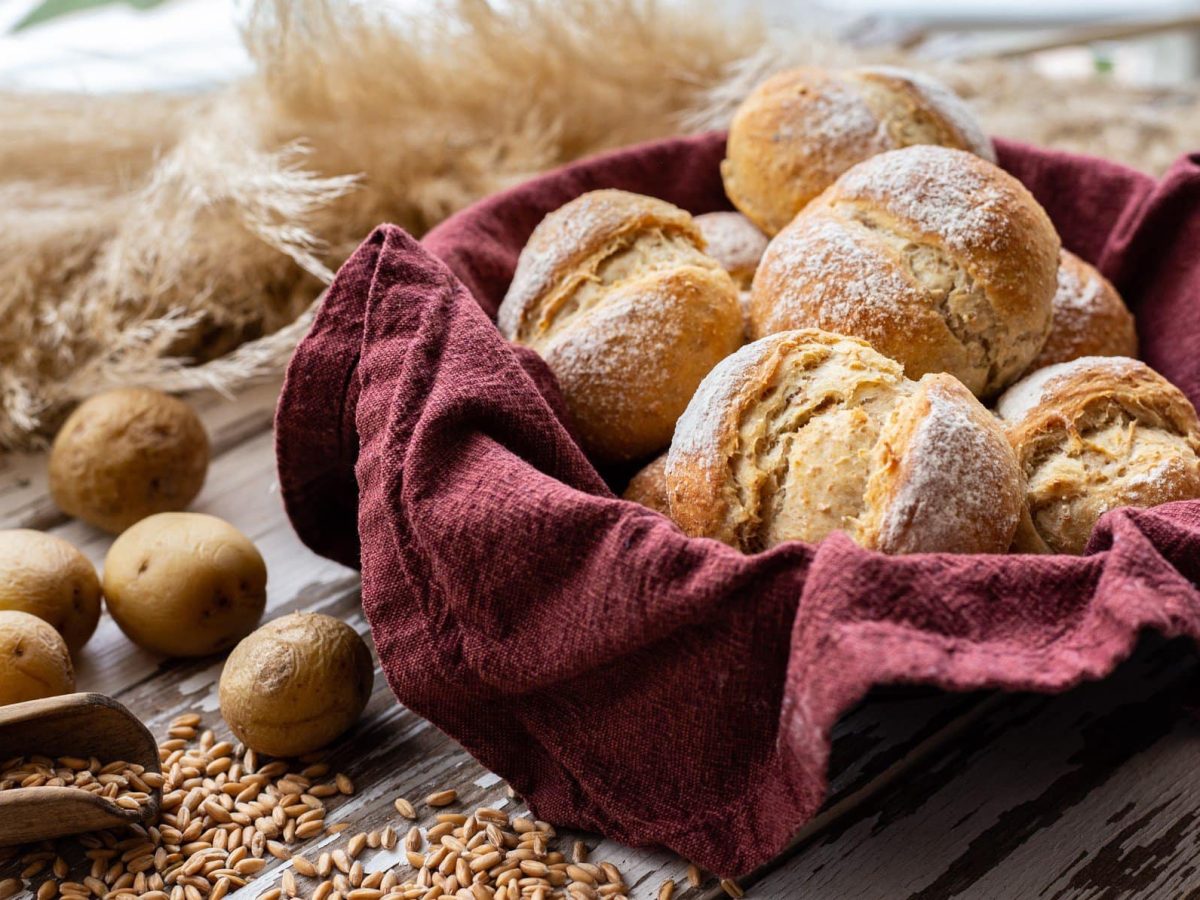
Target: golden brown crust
{"type": "Point", "coordinates": [804, 432]}
{"type": "Point", "coordinates": [936, 257]}
{"type": "Point", "coordinates": [1095, 434]}
{"type": "Point", "coordinates": [801, 129]}
{"type": "Point", "coordinates": [649, 486]}
{"type": "Point", "coordinates": [735, 242]}
{"type": "Point", "coordinates": [554, 260]}
{"type": "Point", "coordinates": [615, 293]}
{"type": "Point", "coordinates": [1090, 318]}
{"type": "Point", "coordinates": [944, 479]}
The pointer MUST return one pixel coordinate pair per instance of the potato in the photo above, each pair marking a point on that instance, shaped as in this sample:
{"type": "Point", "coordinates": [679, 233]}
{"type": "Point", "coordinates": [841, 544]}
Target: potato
{"type": "Point", "coordinates": [44, 575]}
{"type": "Point", "coordinates": [34, 660]}
{"type": "Point", "coordinates": [185, 584]}
{"type": "Point", "coordinates": [296, 684]}
{"type": "Point", "coordinates": [126, 454]}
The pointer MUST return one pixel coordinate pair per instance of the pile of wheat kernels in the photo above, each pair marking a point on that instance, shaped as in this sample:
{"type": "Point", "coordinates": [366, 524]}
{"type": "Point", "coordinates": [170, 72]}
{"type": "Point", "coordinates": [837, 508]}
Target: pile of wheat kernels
{"type": "Point", "coordinates": [126, 784]}
{"type": "Point", "coordinates": [224, 813]}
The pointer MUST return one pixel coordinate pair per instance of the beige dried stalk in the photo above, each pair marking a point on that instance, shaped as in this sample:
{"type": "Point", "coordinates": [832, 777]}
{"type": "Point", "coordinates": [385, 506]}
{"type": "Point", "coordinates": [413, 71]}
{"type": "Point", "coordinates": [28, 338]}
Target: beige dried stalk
{"type": "Point", "coordinates": [181, 241]}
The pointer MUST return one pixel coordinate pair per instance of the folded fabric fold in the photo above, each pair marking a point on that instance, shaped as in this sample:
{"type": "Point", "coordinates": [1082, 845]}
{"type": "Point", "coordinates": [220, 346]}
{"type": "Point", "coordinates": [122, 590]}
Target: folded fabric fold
{"type": "Point", "coordinates": [626, 678]}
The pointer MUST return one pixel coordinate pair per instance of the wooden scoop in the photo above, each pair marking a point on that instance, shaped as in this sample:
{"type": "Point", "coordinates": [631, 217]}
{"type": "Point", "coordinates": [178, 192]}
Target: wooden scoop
{"type": "Point", "coordinates": [83, 725]}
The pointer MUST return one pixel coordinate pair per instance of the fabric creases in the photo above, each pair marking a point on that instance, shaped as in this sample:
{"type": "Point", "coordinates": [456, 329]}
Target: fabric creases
{"type": "Point", "coordinates": [623, 677]}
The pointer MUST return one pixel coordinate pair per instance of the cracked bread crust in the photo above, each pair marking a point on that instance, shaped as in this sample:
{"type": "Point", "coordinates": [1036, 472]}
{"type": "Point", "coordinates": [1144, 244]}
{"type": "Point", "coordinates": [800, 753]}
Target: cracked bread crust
{"type": "Point", "coordinates": [944, 477]}
{"type": "Point", "coordinates": [1095, 434]}
{"type": "Point", "coordinates": [803, 433]}
{"type": "Point", "coordinates": [616, 294]}
{"type": "Point", "coordinates": [801, 129]}
{"type": "Point", "coordinates": [937, 258]}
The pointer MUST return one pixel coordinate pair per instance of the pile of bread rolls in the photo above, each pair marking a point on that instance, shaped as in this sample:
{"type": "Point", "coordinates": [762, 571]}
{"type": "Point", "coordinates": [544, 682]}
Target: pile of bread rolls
{"type": "Point", "coordinates": [820, 360]}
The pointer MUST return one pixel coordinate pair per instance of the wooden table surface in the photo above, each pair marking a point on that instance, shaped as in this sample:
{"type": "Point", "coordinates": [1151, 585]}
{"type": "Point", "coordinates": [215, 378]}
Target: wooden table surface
{"type": "Point", "coordinates": [1093, 793]}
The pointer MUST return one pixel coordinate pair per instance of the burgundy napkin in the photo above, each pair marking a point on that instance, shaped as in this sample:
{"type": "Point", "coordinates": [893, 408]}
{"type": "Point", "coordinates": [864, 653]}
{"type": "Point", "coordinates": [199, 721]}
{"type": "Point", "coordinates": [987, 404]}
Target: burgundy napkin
{"type": "Point", "coordinates": [623, 677]}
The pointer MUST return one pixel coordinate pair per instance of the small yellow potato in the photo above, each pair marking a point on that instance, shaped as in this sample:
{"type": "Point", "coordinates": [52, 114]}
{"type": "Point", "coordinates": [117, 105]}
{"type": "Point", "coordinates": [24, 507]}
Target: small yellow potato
{"type": "Point", "coordinates": [185, 584]}
{"type": "Point", "coordinates": [127, 454]}
{"type": "Point", "coordinates": [44, 575]}
{"type": "Point", "coordinates": [34, 660]}
{"type": "Point", "coordinates": [296, 684]}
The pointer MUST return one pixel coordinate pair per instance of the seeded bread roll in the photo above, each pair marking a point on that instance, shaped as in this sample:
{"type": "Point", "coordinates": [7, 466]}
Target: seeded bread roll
{"type": "Point", "coordinates": [798, 131]}
{"type": "Point", "coordinates": [935, 257]}
{"type": "Point", "coordinates": [804, 433]}
{"type": "Point", "coordinates": [1090, 318]}
{"type": "Point", "coordinates": [649, 487]}
{"type": "Point", "coordinates": [735, 242]}
{"type": "Point", "coordinates": [1095, 434]}
{"type": "Point", "coordinates": [616, 294]}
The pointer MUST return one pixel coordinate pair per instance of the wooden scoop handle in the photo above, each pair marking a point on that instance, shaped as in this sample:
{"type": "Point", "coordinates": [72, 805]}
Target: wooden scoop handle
{"type": "Point", "coordinates": [72, 725]}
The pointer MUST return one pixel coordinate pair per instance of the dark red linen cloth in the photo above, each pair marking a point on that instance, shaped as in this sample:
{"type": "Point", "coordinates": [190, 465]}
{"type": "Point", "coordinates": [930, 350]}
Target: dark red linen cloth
{"type": "Point", "coordinates": [623, 677]}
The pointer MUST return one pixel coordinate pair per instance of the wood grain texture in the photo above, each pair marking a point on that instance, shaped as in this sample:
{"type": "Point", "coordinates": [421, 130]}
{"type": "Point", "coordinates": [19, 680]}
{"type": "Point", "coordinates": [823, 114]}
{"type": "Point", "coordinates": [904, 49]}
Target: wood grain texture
{"type": "Point", "coordinates": [932, 795]}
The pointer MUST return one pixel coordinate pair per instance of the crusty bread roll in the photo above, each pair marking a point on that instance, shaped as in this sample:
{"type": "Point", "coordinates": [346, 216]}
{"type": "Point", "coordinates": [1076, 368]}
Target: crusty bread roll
{"type": "Point", "coordinates": [1090, 318]}
{"type": "Point", "coordinates": [798, 131]}
{"type": "Point", "coordinates": [649, 486]}
{"type": "Point", "coordinates": [1095, 434]}
{"type": "Point", "coordinates": [934, 256]}
{"type": "Point", "coordinates": [804, 433]}
{"type": "Point", "coordinates": [615, 293]}
{"type": "Point", "coordinates": [733, 241]}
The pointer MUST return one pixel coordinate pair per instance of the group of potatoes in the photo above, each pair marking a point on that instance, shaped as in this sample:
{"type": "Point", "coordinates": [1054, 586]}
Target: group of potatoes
{"type": "Point", "coordinates": [179, 584]}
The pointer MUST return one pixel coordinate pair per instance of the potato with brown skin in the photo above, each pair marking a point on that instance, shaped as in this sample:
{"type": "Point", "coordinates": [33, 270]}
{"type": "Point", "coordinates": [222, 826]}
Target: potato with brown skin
{"type": "Point", "coordinates": [296, 684]}
{"type": "Point", "coordinates": [127, 454]}
{"type": "Point", "coordinates": [185, 584]}
{"type": "Point", "coordinates": [34, 660]}
{"type": "Point", "coordinates": [44, 575]}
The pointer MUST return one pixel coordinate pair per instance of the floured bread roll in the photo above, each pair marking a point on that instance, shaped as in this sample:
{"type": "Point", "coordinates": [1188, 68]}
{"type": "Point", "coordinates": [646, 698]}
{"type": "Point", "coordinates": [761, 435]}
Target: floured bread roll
{"type": "Point", "coordinates": [649, 487]}
{"type": "Point", "coordinates": [935, 257]}
{"type": "Point", "coordinates": [1095, 434]}
{"type": "Point", "coordinates": [799, 130]}
{"type": "Point", "coordinates": [733, 241]}
{"type": "Point", "coordinates": [1090, 318]}
{"type": "Point", "coordinates": [804, 433]}
{"type": "Point", "coordinates": [616, 295]}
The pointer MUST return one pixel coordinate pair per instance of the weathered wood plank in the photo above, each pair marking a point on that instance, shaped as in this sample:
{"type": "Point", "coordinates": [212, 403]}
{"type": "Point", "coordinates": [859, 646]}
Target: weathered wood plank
{"type": "Point", "coordinates": [25, 503]}
{"type": "Point", "coordinates": [392, 751]}
{"type": "Point", "coordinates": [1092, 793]}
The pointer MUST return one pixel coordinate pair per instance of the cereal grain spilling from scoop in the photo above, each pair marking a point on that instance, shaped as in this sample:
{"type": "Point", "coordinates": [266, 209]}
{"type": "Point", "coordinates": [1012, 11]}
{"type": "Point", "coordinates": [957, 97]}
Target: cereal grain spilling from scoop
{"type": "Point", "coordinates": [228, 817]}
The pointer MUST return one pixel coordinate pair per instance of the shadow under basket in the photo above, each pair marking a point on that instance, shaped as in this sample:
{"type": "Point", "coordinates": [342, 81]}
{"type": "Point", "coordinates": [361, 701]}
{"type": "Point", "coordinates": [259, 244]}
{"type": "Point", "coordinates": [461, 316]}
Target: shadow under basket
{"type": "Point", "coordinates": [623, 677]}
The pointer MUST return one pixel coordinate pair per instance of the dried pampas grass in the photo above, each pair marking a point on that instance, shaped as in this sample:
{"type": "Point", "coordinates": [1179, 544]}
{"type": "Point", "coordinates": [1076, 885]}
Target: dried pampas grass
{"type": "Point", "coordinates": [181, 241]}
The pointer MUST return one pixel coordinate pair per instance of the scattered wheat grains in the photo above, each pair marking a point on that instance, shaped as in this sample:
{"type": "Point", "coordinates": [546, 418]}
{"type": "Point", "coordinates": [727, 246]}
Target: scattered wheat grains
{"type": "Point", "coordinates": [221, 814]}
{"type": "Point", "coordinates": [224, 812]}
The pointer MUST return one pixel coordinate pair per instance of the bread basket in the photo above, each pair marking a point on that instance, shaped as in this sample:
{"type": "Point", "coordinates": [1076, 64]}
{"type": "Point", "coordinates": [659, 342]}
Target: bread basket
{"type": "Point", "coordinates": [626, 678]}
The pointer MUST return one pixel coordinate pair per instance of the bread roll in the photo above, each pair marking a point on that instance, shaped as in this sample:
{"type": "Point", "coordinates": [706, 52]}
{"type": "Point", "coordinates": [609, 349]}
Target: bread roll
{"type": "Point", "coordinates": [804, 433]}
{"type": "Point", "coordinates": [615, 293]}
{"type": "Point", "coordinates": [1095, 434]}
{"type": "Point", "coordinates": [798, 131]}
{"type": "Point", "coordinates": [733, 241]}
{"type": "Point", "coordinates": [649, 487]}
{"type": "Point", "coordinates": [1090, 318]}
{"type": "Point", "coordinates": [935, 257]}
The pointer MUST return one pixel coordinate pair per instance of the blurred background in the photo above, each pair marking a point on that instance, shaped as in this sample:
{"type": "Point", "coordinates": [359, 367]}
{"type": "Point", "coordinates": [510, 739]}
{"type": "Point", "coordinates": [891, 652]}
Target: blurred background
{"type": "Point", "coordinates": [117, 45]}
{"type": "Point", "coordinates": [180, 179]}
